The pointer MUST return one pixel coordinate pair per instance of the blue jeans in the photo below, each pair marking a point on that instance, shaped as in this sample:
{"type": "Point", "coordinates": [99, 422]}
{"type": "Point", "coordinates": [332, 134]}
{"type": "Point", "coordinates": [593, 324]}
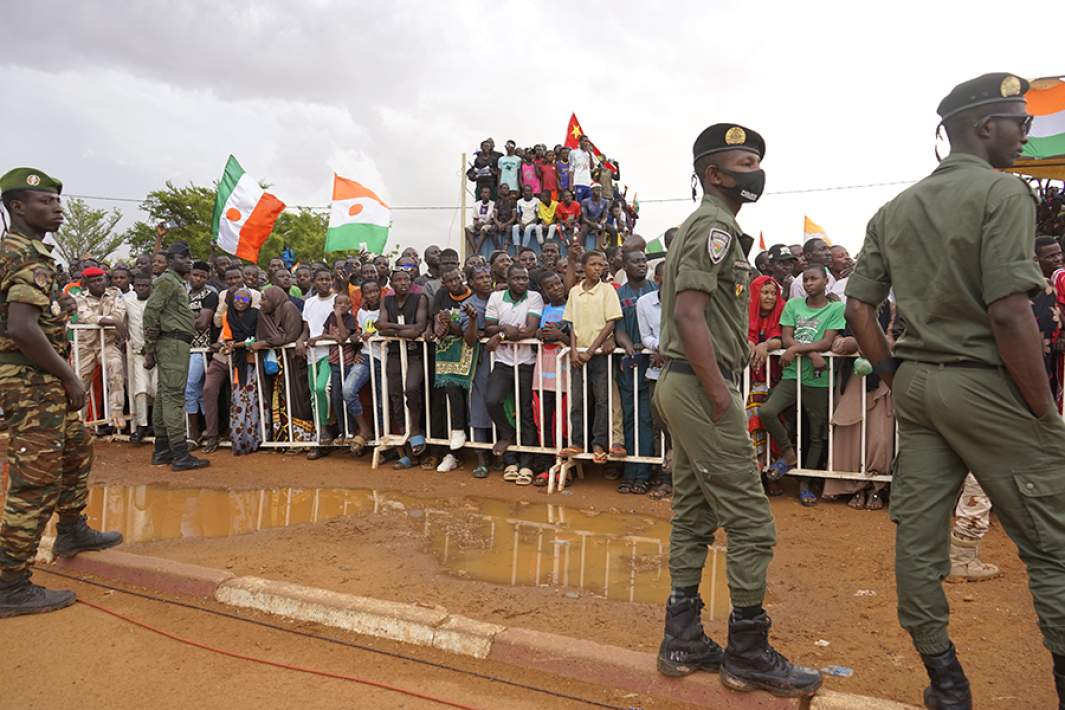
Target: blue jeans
{"type": "Point", "coordinates": [355, 380]}
{"type": "Point", "coordinates": [194, 387]}
{"type": "Point", "coordinates": [636, 409]}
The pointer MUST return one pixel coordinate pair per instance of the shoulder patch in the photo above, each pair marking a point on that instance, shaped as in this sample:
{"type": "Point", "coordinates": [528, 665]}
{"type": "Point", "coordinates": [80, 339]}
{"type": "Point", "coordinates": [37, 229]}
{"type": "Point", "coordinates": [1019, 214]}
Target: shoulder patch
{"type": "Point", "coordinates": [42, 278]}
{"type": "Point", "coordinates": [717, 244]}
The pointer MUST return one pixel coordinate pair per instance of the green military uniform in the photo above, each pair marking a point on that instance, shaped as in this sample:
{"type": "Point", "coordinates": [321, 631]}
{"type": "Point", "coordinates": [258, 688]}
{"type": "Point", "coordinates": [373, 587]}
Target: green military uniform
{"type": "Point", "coordinates": [168, 333]}
{"type": "Point", "coordinates": [49, 450]}
{"type": "Point", "coordinates": [715, 481]}
{"type": "Point", "coordinates": [949, 246]}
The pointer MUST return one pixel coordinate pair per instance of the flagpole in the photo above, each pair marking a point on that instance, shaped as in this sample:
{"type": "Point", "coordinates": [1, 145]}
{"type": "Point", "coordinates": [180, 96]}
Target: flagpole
{"type": "Point", "coordinates": [462, 208]}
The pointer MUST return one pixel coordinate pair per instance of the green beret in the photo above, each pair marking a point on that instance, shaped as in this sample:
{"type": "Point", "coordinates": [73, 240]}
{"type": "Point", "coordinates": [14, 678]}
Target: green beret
{"type": "Point", "coordinates": [29, 179]}
{"type": "Point", "coordinates": [994, 88]}
{"type": "Point", "coordinates": [727, 136]}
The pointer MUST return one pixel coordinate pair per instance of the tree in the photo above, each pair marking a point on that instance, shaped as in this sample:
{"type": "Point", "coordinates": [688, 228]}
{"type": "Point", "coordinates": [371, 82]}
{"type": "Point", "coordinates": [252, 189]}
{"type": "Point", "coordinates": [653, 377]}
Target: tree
{"type": "Point", "coordinates": [87, 232]}
{"type": "Point", "coordinates": [302, 231]}
{"type": "Point", "coordinates": [187, 211]}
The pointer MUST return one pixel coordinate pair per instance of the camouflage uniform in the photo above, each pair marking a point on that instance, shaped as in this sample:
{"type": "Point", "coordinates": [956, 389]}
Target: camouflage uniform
{"type": "Point", "coordinates": [50, 451]}
{"type": "Point", "coordinates": [90, 310]}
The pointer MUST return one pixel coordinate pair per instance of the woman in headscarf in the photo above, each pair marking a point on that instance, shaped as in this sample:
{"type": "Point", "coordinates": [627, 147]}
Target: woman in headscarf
{"type": "Point", "coordinates": [280, 324]}
{"type": "Point", "coordinates": [764, 334]}
{"type": "Point", "coordinates": [239, 325]}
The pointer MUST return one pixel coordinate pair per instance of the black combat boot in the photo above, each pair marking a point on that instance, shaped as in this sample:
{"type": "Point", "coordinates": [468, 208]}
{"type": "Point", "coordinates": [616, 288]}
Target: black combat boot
{"type": "Point", "coordinates": [1059, 683]}
{"type": "Point", "coordinates": [685, 648]}
{"type": "Point", "coordinates": [138, 435]}
{"type": "Point", "coordinates": [184, 461]}
{"type": "Point", "coordinates": [752, 664]}
{"type": "Point", "coordinates": [949, 689]}
{"type": "Point", "coordinates": [72, 538]}
{"type": "Point", "coordinates": [20, 596]}
{"type": "Point", "coordinates": [161, 453]}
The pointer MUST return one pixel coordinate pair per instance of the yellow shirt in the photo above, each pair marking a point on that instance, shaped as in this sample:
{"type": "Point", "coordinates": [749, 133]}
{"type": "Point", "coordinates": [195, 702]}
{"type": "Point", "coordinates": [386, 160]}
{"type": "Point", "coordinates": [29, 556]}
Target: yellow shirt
{"type": "Point", "coordinates": [547, 212]}
{"type": "Point", "coordinates": [589, 310]}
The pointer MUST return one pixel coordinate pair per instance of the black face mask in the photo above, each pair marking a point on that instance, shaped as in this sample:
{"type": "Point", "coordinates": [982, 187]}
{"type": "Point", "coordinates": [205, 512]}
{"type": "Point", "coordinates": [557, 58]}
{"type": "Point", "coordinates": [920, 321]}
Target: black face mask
{"type": "Point", "coordinates": [749, 186]}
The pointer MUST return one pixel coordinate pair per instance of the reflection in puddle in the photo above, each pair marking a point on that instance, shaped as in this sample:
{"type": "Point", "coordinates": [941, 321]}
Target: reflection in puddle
{"type": "Point", "coordinates": [617, 556]}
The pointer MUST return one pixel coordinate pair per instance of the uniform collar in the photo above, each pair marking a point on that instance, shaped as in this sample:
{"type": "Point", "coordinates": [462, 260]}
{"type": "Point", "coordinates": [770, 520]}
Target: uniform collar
{"type": "Point", "coordinates": [963, 159]}
{"type": "Point", "coordinates": [508, 298]}
{"type": "Point", "coordinates": [593, 290]}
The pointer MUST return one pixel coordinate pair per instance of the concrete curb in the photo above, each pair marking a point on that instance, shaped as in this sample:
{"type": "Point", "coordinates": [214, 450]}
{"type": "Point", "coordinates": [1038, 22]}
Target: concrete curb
{"type": "Point", "coordinates": [433, 626]}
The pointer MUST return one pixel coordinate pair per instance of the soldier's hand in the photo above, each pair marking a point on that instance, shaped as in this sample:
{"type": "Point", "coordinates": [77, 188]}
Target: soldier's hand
{"type": "Point", "coordinates": [149, 361]}
{"type": "Point", "coordinates": [721, 400]}
{"type": "Point", "coordinates": [75, 394]}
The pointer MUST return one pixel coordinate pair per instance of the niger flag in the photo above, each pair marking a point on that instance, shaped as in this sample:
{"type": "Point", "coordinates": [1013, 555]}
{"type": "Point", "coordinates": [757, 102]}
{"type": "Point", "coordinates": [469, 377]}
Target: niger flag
{"type": "Point", "coordinates": [812, 230]}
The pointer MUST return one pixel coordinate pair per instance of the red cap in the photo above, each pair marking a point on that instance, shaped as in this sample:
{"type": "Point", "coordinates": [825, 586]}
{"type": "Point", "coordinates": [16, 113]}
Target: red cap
{"type": "Point", "coordinates": [92, 271]}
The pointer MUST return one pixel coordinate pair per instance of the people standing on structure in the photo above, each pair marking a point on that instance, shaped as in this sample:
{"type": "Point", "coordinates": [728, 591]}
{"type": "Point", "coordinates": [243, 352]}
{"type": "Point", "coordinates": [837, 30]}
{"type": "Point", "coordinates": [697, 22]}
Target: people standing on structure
{"type": "Point", "coordinates": [168, 334]}
{"type": "Point", "coordinates": [49, 450]}
{"type": "Point", "coordinates": [970, 388]}
{"type": "Point", "coordinates": [715, 481]}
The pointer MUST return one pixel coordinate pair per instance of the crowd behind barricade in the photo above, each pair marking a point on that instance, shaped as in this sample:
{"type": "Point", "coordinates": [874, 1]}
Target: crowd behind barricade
{"type": "Point", "coordinates": [518, 364]}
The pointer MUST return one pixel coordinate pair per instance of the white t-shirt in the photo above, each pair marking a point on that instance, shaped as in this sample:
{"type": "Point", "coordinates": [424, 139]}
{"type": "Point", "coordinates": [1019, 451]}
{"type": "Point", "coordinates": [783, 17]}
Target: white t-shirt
{"type": "Point", "coordinates": [368, 324]}
{"type": "Point", "coordinates": [502, 309]}
{"type": "Point", "coordinates": [483, 211]}
{"type": "Point", "coordinates": [799, 291]}
{"type": "Point", "coordinates": [315, 312]}
{"type": "Point", "coordinates": [581, 162]}
{"type": "Point", "coordinates": [840, 289]}
{"type": "Point", "coordinates": [527, 210]}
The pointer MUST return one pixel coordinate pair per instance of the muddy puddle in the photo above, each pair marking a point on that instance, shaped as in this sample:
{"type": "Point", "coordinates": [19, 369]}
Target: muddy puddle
{"type": "Point", "coordinates": [618, 556]}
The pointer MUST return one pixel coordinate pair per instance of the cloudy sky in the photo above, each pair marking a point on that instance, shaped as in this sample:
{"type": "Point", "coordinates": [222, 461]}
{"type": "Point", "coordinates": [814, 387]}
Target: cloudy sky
{"type": "Point", "coordinates": [116, 98]}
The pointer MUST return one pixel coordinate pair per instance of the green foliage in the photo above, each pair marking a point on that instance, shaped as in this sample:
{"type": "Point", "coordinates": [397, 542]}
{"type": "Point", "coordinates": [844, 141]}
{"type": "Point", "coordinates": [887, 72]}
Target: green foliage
{"type": "Point", "coordinates": [87, 232]}
{"type": "Point", "coordinates": [187, 210]}
{"type": "Point", "coordinates": [302, 231]}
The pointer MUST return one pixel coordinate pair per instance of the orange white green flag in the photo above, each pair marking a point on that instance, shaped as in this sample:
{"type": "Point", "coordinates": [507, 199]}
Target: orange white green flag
{"type": "Point", "coordinates": [812, 230]}
{"type": "Point", "coordinates": [244, 214]}
{"type": "Point", "coordinates": [358, 218]}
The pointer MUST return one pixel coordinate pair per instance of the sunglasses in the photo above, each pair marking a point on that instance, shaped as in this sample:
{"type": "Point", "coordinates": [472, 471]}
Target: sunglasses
{"type": "Point", "coordinates": [241, 299]}
{"type": "Point", "coordinates": [1024, 121]}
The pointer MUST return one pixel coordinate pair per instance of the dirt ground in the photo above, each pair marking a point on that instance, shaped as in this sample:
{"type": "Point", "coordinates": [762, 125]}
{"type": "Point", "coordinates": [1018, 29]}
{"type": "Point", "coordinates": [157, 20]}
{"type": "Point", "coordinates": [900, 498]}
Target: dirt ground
{"type": "Point", "coordinates": [831, 584]}
{"type": "Point", "coordinates": [93, 660]}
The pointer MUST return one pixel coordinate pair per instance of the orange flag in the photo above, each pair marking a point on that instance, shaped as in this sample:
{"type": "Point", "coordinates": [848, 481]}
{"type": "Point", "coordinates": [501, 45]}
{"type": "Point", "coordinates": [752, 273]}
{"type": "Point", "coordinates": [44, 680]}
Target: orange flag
{"type": "Point", "coordinates": [761, 241]}
{"type": "Point", "coordinates": [812, 230]}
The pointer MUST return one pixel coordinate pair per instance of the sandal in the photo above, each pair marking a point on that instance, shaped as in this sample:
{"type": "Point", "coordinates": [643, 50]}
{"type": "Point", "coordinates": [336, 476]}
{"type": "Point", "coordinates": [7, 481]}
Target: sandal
{"type": "Point", "coordinates": [541, 480]}
{"type": "Point", "coordinates": [571, 451]}
{"type": "Point", "coordinates": [480, 472]}
{"type": "Point", "coordinates": [358, 445]}
{"type": "Point", "coordinates": [774, 488]}
{"type": "Point", "coordinates": [806, 496]}
{"type": "Point", "coordinates": [625, 487]}
{"type": "Point", "coordinates": [640, 488]}
{"type": "Point", "coordinates": [525, 477]}
{"type": "Point", "coordinates": [857, 501]}
{"type": "Point", "coordinates": [777, 469]}
{"type": "Point", "coordinates": [618, 451]}
{"type": "Point", "coordinates": [664, 490]}
{"type": "Point", "coordinates": [874, 501]}
{"type": "Point", "coordinates": [599, 455]}
{"type": "Point", "coordinates": [417, 445]}
{"type": "Point", "coordinates": [510, 473]}
{"type": "Point", "coordinates": [403, 463]}
{"type": "Point", "coordinates": [429, 463]}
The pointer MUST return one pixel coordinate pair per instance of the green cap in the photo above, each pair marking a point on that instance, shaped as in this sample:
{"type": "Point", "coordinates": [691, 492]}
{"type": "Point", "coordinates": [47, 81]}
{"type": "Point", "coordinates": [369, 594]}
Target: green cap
{"type": "Point", "coordinates": [29, 179]}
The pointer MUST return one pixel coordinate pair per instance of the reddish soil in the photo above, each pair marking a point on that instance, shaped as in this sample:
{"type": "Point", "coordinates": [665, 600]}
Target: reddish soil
{"type": "Point", "coordinates": [831, 579]}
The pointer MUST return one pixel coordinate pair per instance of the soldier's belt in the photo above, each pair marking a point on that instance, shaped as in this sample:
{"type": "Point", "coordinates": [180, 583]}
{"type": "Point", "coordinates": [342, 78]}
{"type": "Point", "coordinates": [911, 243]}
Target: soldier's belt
{"type": "Point", "coordinates": [968, 364]}
{"type": "Point", "coordinates": [176, 335]}
{"type": "Point", "coordinates": [15, 358]}
{"type": "Point", "coordinates": [685, 368]}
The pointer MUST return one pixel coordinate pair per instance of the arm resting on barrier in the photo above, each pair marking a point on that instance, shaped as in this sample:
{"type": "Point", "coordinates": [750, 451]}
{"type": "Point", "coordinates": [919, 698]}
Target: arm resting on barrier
{"type": "Point", "coordinates": [1021, 346]}
{"type": "Point", "coordinates": [872, 342]}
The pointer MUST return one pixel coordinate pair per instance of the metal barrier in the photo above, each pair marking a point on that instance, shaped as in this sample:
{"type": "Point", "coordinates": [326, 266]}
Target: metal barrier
{"type": "Point", "coordinates": [563, 413]}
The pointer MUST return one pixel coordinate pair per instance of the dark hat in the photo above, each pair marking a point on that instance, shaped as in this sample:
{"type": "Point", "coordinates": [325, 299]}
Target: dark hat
{"type": "Point", "coordinates": [780, 252]}
{"type": "Point", "coordinates": [201, 266]}
{"type": "Point", "coordinates": [178, 249]}
{"type": "Point", "coordinates": [91, 272]}
{"type": "Point", "coordinates": [987, 89]}
{"type": "Point", "coordinates": [29, 179]}
{"type": "Point", "coordinates": [727, 136]}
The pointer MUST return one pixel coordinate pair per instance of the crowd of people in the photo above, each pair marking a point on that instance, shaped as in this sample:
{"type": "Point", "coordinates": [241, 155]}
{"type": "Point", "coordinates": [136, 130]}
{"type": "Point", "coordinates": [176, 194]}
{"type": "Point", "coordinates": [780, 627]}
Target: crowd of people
{"type": "Point", "coordinates": [529, 197]}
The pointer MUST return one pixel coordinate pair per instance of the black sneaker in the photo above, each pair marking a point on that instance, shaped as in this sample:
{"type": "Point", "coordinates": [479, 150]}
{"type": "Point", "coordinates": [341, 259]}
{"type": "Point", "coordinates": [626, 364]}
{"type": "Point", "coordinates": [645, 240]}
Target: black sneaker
{"type": "Point", "coordinates": [752, 664]}
{"type": "Point", "coordinates": [24, 597]}
{"type": "Point", "coordinates": [685, 648]}
{"type": "Point", "coordinates": [72, 538]}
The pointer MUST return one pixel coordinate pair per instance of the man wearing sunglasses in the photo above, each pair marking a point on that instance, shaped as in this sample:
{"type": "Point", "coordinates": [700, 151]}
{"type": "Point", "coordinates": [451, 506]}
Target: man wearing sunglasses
{"type": "Point", "coordinates": [970, 389]}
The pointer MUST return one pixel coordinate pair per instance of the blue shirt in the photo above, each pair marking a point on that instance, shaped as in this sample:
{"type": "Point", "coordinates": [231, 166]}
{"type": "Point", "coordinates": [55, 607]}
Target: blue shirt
{"type": "Point", "coordinates": [628, 297]}
{"type": "Point", "coordinates": [508, 171]}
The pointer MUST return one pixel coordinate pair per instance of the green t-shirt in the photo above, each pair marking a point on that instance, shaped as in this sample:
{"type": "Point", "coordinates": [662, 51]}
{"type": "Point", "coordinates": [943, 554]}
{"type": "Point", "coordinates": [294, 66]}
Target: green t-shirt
{"type": "Point", "coordinates": [810, 325]}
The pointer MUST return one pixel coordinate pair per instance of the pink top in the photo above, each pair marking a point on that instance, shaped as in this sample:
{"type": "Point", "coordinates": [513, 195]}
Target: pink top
{"type": "Point", "coordinates": [530, 178]}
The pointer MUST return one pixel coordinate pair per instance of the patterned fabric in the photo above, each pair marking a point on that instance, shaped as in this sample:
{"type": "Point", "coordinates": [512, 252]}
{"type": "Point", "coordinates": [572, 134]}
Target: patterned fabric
{"type": "Point", "coordinates": [456, 362]}
{"type": "Point", "coordinates": [50, 454]}
{"type": "Point", "coordinates": [973, 514]}
{"type": "Point", "coordinates": [244, 421]}
{"type": "Point", "coordinates": [28, 275]}
{"type": "Point", "coordinates": [295, 370]}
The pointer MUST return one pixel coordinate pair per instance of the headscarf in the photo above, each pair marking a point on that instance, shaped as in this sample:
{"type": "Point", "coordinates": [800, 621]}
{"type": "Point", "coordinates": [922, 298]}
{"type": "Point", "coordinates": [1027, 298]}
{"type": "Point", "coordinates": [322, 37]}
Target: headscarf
{"type": "Point", "coordinates": [242, 324]}
{"type": "Point", "coordinates": [283, 323]}
{"type": "Point", "coordinates": [762, 328]}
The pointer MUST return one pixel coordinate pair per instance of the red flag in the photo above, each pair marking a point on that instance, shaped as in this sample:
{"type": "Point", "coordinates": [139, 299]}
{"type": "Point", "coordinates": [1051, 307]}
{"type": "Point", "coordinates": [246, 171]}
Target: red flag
{"type": "Point", "coordinates": [761, 241]}
{"type": "Point", "coordinates": [573, 137]}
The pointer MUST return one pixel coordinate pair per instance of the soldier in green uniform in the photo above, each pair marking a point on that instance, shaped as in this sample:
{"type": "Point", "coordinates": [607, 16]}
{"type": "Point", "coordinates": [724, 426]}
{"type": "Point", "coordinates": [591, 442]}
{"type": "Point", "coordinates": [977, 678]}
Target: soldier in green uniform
{"type": "Point", "coordinates": [49, 450]}
{"type": "Point", "coordinates": [715, 479]}
{"type": "Point", "coordinates": [970, 389]}
{"type": "Point", "coordinates": [168, 333]}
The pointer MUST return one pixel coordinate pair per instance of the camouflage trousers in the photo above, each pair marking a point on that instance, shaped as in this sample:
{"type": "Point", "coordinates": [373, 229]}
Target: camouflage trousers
{"type": "Point", "coordinates": [972, 517]}
{"type": "Point", "coordinates": [50, 455]}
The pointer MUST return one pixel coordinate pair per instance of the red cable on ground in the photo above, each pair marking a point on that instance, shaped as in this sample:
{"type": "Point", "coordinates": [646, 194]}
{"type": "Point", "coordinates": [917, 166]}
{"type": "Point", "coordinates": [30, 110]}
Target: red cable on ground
{"type": "Point", "coordinates": [275, 664]}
